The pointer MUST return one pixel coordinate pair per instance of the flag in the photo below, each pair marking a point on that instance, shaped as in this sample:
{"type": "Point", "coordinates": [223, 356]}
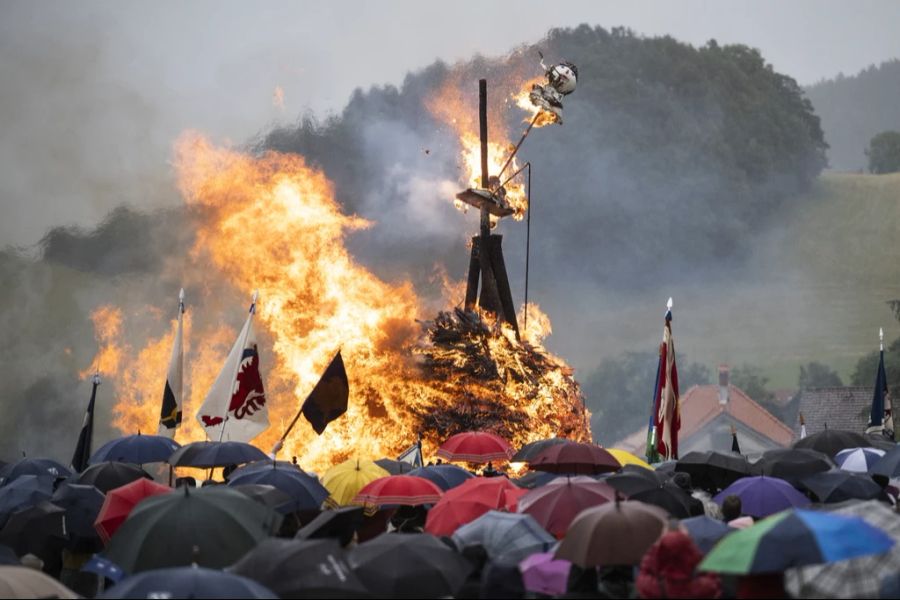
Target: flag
{"type": "Point", "coordinates": [328, 400]}
{"type": "Point", "coordinates": [83, 448]}
{"type": "Point", "coordinates": [170, 412]}
{"type": "Point", "coordinates": [735, 447]}
{"type": "Point", "coordinates": [235, 407]}
{"type": "Point", "coordinates": [667, 420]}
{"type": "Point", "coordinates": [802, 427]}
{"type": "Point", "coordinates": [652, 454]}
{"type": "Point", "coordinates": [412, 455]}
{"type": "Point", "coordinates": [876, 417]}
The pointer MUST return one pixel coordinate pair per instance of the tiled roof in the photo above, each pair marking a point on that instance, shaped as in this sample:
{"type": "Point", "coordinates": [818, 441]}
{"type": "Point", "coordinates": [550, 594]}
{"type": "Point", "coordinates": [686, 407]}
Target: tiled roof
{"type": "Point", "coordinates": [837, 407]}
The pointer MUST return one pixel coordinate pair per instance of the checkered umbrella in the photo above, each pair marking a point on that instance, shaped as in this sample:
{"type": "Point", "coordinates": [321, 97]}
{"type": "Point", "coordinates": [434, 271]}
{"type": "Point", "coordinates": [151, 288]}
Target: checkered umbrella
{"type": "Point", "coordinates": [855, 578]}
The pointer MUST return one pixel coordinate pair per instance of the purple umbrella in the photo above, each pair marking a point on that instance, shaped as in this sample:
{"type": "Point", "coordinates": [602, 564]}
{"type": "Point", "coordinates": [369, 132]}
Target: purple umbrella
{"type": "Point", "coordinates": [763, 496]}
{"type": "Point", "coordinates": [543, 574]}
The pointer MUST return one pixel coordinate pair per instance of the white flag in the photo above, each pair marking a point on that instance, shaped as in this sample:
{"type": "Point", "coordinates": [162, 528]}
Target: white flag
{"type": "Point", "coordinates": [235, 407]}
{"type": "Point", "coordinates": [412, 455]}
{"type": "Point", "coordinates": [170, 414]}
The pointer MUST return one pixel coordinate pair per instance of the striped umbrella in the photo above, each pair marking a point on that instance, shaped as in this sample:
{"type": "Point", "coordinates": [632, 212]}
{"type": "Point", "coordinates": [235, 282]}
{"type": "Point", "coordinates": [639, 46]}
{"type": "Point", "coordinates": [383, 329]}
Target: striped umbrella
{"type": "Point", "coordinates": [858, 460]}
{"type": "Point", "coordinates": [476, 447]}
{"type": "Point", "coordinates": [399, 489]}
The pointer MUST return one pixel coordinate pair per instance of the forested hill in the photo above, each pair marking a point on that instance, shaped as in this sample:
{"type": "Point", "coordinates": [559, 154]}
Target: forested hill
{"type": "Point", "coordinates": [855, 108]}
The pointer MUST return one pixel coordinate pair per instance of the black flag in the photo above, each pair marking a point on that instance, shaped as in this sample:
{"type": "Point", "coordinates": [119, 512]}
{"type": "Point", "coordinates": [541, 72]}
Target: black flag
{"type": "Point", "coordinates": [83, 449]}
{"type": "Point", "coordinates": [328, 400]}
{"type": "Point", "coordinates": [735, 447]}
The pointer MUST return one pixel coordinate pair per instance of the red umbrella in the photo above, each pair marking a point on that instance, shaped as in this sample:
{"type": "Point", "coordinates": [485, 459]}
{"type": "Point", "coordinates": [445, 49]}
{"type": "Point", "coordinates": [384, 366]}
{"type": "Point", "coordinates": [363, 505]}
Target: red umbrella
{"type": "Point", "coordinates": [476, 447]}
{"type": "Point", "coordinates": [399, 489]}
{"type": "Point", "coordinates": [583, 459]}
{"type": "Point", "coordinates": [119, 503]}
{"type": "Point", "coordinates": [468, 501]}
{"type": "Point", "coordinates": [556, 504]}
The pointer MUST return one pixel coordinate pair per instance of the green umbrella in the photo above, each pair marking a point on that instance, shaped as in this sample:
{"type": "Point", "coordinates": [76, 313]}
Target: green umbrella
{"type": "Point", "coordinates": [212, 527]}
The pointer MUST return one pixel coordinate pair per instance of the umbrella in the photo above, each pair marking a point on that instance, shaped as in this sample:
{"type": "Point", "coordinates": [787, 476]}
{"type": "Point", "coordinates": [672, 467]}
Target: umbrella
{"type": "Point", "coordinates": [211, 527]}
{"type": "Point", "coordinates": [136, 449]}
{"type": "Point", "coordinates": [888, 467]}
{"type": "Point", "coordinates": [832, 441]}
{"type": "Point", "coordinates": [340, 523]}
{"type": "Point", "coordinates": [881, 442]}
{"type": "Point", "coordinates": [23, 582]}
{"type": "Point", "coordinates": [301, 569]}
{"type": "Point", "coordinates": [476, 447]}
{"type": "Point", "coordinates": [207, 455]}
{"type": "Point", "coordinates": [82, 504]}
{"type": "Point", "coordinates": [706, 531]}
{"type": "Point", "coordinates": [33, 466]}
{"type": "Point", "coordinates": [507, 537]}
{"type": "Point", "coordinates": [409, 565]}
{"type": "Point", "coordinates": [264, 464]}
{"type": "Point", "coordinates": [793, 539]}
{"type": "Point", "coordinates": [25, 490]}
{"type": "Point", "coordinates": [532, 449]}
{"type": "Point", "coordinates": [543, 574]}
{"type": "Point", "coordinates": [119, 503]}
{"type": "Point", "coordinates": [838, 485]}
{"type": "Point", "coordinates": [763, 496]}
{"type": "Point", "coordinates": [616, 533]}
{"type": "Point", "coordinates": [187, 582]}
{"type": "Point", "coordinates": [634, 480]}
{"type": "Point", "coordinates": [343, 481]}
{"type": "Point", "coordinates": [668, 496]}
{"type": "Point", "coordinates": [8, 556]}
{"type": "Point", "coordinates": [306, 493]}
{"type": "Point", "coordinates": [468, 501]}
{"type": "Point", "coordinates": [107, 476]}
{"type": "Point", "coordinates": [627, 458]}
{"type": "Point", "coordinates": [584, 459]}
{"type": "Point", "coordinates": [394, 467]}
{"type": "Point", "coordinates": [443, 476]}
{"type": "Point", "coordinates": [534, 479]}
{"type": "Point", "coordinates": [267, 495]}
{"type": "Point", "coordinates": [399, 489]}
{"type": "Point", "coordinates": [556, 504]}
{"type": "Point", "coordinates": [38, 530]}
{"type": "Point", "coordinates": [858, 460]}
{"type": "Point", "coordinates": [792, 464]}
{"type": "Point", "coordinates": [713, 471]}
{"type": "Point", "coordinates": [857, 577]}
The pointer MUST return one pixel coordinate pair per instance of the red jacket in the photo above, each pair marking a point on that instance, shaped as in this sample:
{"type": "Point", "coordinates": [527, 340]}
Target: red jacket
{"type": "Point", "coordinates": [668, 570]}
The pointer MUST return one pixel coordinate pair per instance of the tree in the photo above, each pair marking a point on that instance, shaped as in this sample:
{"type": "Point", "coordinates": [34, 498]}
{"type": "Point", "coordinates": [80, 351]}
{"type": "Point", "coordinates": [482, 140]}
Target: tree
{"type": "Point", "coordinates": [816, 374]}
{"type": "Point", "coordinates": [866, 367]}
{"type": "Point", "coordinates": [884, 152]}
{"type": "Point", "coordinates": [752, 382]}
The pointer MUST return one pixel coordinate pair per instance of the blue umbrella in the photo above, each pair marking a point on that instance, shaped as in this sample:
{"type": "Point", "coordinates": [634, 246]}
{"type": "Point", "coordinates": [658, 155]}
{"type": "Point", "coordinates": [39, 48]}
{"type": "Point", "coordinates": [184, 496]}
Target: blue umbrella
{"type": "Point", "coordinates": [136, 449]}
{"type": "Point", "coordinates": [858, 460]}
{"type": "Point", "coordinates": [215, 454]}
{"type": "Point", "coordinates": [263, 464]}
{"type": "Point", "coordinates": [82, 504]}
{"type": "Point", "coordinates": [838, 485]}
{"type": "Point", "coordinates": [33, 466]}
{"type": "Point", "coordinates": [763, 496]}
{"type": "Point", "coordinates": [305, 490]}
{"type": "Point", "coordinates": [706, 531]}
{"type": "Point", "coordinates": [443, 476]}
{"type": "Point", "coordinates": [510, 535]}
{"type": "Point", "coordinates": [534, 479]}
{"type": "Point", "coordinates": [888, 467]}
{"type": "Point", "coordinates": [187, 582]}
{"type": "Point", "coordinates": [24, 491]}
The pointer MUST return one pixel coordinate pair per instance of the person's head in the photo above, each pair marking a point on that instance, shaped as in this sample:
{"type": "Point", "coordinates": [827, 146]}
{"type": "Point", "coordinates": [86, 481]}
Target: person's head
{"type": "Point", "coordinates": [731, 508]}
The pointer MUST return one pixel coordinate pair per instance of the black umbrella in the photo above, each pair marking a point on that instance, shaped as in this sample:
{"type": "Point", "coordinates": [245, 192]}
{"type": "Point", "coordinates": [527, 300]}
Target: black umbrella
{"type": "Point", "coordinates": [136, 449]}
{"type": "Point", "coordinates": [82, 504]}
{"type": "Point", "coordinates": [215, 454]}
{"type": "Point", "coordinates": [409, 565]}
{"type": "Point", "coordinates": [887, 467]}
{"type": "Point", "coordinates": [839, 485]}
{"type": "Point", "coordinates": [24, 491]}
{"type": "Point", "coordinates": [45, 467]}
{"type": "Point", "coordinates": [340, 523]}
{"type": "Point", "coordinates": [832, 441]}
{"type": "Point", "coordinates": [263, 464]}
{"type": "Point", "coordinates": [38, 530]}
{"type": "Point", "coordinates": [532, 449]}
{"type": "Point", "coordinates": [301, 569]}
{"type": "Point", "coordinates": [306, 493]}
{"type": "Point", "coordinates": [212, 527]}
{"type": "Point", "coordinates": [668, 496]}
{"type": "Point", "coordinates": [107, 476]}
{"type": "Point", "coordinates": [635, 480]}
{"type": "Point", "coordinates": [394, 467]}
{"type": "Point", "coordinates": [267, 495]}
{"type": "Point", "coordinates": [8, 556]}
{"type": "Point", "coordinates": [713, 471]}
{"type": "Point", "coordinates": [187, 582]}
{"type": "Point", "coordinates": [534, 479]}
{"type": "Point", "coordinates": [792, 464]}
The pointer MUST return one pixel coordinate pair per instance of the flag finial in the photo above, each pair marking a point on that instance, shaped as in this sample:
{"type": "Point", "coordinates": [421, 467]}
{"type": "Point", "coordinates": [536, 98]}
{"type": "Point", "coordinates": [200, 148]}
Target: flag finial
{"type": "Point", "coordinates": [181, 296]}
{"type": "Point", "coordinates": [881, 338]}
{"type": "Point", "coordinates": [669, 303]}
{"type": "Point", "coordinates": [96, 378]}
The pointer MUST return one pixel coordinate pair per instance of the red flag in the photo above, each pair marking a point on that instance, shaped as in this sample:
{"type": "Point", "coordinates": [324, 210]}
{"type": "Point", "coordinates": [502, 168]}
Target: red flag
{"type": "Point", "coordinates": [668, 414]}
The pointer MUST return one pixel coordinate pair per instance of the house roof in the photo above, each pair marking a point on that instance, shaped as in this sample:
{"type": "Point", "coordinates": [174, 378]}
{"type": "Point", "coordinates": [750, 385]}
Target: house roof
{"type": "Point", "coordinates": [837, 407]}
{"type": "Point", "coordinates": [700, 406]}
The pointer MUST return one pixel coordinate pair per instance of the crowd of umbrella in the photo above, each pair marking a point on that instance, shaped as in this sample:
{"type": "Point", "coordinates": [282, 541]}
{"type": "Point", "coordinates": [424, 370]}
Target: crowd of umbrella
{"type": "Point", "coordinates": [822, 516]}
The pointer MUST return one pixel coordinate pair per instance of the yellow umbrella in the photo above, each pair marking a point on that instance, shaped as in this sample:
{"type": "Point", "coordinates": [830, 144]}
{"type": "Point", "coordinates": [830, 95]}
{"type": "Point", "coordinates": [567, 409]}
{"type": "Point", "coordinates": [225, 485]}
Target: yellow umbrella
{"type": "Point", "coordinates": [626, 458]}
{"type": "Point", "coordinates": [345, 480]}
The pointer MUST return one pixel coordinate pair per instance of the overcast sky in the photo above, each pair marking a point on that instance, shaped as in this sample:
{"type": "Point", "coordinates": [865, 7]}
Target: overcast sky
{"type": "Point", "coordinates": [93, 93]}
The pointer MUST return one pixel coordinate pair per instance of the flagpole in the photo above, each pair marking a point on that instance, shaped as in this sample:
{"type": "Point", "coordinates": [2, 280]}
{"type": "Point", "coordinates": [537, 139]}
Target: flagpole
{"type": "Point", "coordinates": [237, 367]}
